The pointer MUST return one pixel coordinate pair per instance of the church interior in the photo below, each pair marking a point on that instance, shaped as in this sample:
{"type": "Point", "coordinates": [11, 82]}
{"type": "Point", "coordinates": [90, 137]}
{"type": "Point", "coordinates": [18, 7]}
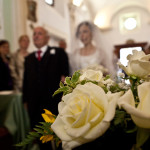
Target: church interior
{"type": "Point", "coordinates": [123, 26]}
{"type": "Point", "coordinates": [60, 18]}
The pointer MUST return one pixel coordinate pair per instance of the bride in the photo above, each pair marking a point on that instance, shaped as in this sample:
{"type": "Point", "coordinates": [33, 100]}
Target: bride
{"type": "Point", "coordinates": [87, 50]}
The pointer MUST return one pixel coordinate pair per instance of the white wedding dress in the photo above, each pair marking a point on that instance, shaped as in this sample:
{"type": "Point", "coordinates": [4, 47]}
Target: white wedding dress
{"type": "Point", "coordinates": [78, 61]}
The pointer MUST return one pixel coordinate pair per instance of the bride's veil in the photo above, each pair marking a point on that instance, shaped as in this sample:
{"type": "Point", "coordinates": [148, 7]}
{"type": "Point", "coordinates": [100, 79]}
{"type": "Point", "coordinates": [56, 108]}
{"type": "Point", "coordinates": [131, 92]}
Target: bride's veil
{"type": "Point", "coordinates": [97, 40]}
{"type": "Point", "coordinates": [96, 37]}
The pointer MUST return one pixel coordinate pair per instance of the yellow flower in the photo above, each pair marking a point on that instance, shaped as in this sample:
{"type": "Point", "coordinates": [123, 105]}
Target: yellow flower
{"type": "Point", "coordinates": [48, 116]}
{"type": "Point", "coordinates": [46, 138]}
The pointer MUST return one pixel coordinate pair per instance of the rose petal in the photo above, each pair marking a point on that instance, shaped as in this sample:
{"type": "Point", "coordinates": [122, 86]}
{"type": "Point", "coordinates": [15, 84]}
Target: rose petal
{"type": "Point", "coordinates": [140, 68]}
{"type": "Point", "coordinates": [138, 64]}
{"type": "Point", "coordinates": [144, 96]}
{"type": "Point", "coordinates": [58, 128]}
{"type": "Point", "coordinates": [140, 117]}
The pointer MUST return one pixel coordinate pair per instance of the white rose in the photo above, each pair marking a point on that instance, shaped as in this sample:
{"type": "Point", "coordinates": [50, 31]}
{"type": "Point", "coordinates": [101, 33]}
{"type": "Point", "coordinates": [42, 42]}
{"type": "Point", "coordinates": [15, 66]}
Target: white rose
{"type": "Point", "coordinates": [138, 64]}
{"type": "Point", "coordinates": [108, 81]}
{"type": "Point", "coordinates": [84, 115]}
{"type": "Point", "coordinates": [141, 114]}
{"type": "Point", "coordinates": [122, 75]}
{"type": "Point", "coordinates": [91, 75]}
{"type": "Point", "coordinates": [97, 67]}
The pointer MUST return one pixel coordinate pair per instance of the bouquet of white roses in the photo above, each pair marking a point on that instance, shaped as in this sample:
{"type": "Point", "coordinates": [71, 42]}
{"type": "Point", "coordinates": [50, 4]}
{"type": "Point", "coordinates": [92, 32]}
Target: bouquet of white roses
{"type": "Point", "coordinates": [93, 104]}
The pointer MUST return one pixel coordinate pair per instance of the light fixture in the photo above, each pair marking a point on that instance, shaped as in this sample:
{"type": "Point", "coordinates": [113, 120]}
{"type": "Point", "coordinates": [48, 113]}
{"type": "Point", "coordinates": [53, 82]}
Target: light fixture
{"type": "Point", "coordinates": [77, 2]}
{"type": "Point", "coordinates": [130, 23]}
{"type": "Point", "coordinates": [100, 20]}
{"type": "Point", "coordinates": [50, 2]}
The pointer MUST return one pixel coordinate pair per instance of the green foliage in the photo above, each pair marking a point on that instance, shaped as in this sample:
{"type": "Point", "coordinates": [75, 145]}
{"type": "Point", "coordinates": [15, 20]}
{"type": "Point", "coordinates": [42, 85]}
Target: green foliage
{"type": "Point", "coordinates": [123, 120]}
{"type": "Point", "coordinates": [29, 139]}
{"type": "Point", "coordinates": [135, 83]}
{"type": "Point", "coordinates": [105, 89]}
{"type": "Point", "coordinates": [115, 88]}
{"type": "Point", "coordinates": [142, 136]}
{"type": "Point", "coordinates": [75, 77]}
{"type": "Point", "coordinates": [40, 130]}
{"type": "Point", "coordinates": [69, 84]}
{"type": "Point", "coordinates": [107, 77]}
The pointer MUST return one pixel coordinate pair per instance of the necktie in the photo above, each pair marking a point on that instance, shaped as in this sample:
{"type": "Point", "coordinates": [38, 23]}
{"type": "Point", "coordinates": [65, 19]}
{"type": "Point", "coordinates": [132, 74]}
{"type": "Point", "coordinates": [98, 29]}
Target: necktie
{"type": "Point", "coordinates": [39, 55]}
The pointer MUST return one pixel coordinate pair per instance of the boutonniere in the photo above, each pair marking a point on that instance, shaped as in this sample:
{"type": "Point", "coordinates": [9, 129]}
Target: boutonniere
{"type": "Point", "coordinates": [52, 51]}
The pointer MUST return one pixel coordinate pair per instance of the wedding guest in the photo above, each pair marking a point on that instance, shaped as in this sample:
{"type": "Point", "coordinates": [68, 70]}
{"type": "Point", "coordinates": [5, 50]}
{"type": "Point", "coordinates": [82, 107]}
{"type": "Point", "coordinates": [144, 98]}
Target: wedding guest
{"type": "Point", "coordinates": [5, 77]}
{"type": "Point", "coordinates": [63, 44]}
{"type": "Point", "coordinates": [87, 48]}
{"type": "Point", "coordinates": [17, 62]}
{"type": "Point", "coordinates": [44, 69]}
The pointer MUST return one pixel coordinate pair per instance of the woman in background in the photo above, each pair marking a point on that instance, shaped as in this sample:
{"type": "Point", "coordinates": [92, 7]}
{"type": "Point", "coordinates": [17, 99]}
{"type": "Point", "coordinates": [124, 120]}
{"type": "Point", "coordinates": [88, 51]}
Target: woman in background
{"type": "Point", "coordinates": [17, 62]}
{"type": "Point", "coordinates": [5, 76]}
{"type": "Point", "coordinates": [87, 47]}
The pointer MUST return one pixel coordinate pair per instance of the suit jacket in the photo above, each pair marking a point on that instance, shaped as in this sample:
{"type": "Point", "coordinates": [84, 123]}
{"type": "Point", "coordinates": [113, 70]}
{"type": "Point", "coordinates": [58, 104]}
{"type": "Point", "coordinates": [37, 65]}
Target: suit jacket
{"type": "Point", "coordinates": [5, 76]}
{"type": "Point", "coordinates": [41, 80]}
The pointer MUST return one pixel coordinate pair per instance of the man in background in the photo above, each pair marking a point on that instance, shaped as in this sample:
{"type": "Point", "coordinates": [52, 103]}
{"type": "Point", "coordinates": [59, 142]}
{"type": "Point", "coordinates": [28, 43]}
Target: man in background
{"type": "Point", "coordinates": [62, 44]}
{"type": "Point", "coordinates": [44, 69]}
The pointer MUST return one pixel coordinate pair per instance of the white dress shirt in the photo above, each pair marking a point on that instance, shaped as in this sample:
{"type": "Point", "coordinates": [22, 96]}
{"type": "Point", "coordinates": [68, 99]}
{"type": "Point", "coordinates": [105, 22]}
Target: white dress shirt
{"type": "Point", "coordinates": [43, 50]}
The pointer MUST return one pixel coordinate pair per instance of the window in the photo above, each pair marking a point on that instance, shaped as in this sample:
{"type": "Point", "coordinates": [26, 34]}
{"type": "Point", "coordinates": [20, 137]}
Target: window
{"type": "Point", "coordinates": [124, 52]}
{"type": "Point", "coordinates": [129, 22]}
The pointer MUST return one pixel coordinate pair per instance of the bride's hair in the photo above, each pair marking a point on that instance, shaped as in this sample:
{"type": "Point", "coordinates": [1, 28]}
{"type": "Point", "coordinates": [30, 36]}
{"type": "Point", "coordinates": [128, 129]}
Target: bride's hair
{"type": "Point", "coordinates": [88, 24]}
{"type": "Point", "coordinates": [96, 36]}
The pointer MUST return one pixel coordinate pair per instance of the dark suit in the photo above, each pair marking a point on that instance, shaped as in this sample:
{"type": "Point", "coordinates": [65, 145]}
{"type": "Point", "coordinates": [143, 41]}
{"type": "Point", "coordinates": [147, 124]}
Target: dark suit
{"type": "Point", "coordinates": [5, 76]}
{"type": "Point", "coordinates": [41, 80]}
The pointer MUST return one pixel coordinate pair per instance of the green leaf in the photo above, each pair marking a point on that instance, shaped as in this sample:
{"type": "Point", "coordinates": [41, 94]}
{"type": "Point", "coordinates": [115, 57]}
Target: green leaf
{"type": "Point", "coordinates": [57, 92]}
{"type": "Point", "coordinates": [39, 130]}
{"type": "Point", "coordinates": [75, 77]}
{"type": "Point", "coordinates": [65, 90]}
{"type": "Point", "coordinates": [132, 130]}
{"type": "Point", "coordinates": [142, 136]}
{"type": "Point", "coordinates": [119, 117]}
{"type": "Point", "coordinates": [61, 84]}
{"type": "Point", "coordinates": [105, 89]}
{"type": "Point", "coordinates": [46, 123]}
{"type": "Point", "coordinates": [133, 77]}
{"type": "Point", "coordinates": [60, 90]}
{"type": "Point", "coordinates": [67, 80]}
{"type": "Point", "coordinates": [107, 77]}
{"type": "Point", "coordinates": [29, 139]}
{"type": "Point", "coordinates": [34, 134]}
{"type": "Point", "coordinates": [83, 82]}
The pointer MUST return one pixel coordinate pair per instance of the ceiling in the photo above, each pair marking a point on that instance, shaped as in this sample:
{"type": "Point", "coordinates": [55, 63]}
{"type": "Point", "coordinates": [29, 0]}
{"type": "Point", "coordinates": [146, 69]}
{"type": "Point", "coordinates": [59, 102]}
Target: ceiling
{"type": "Point", "coordinates": [99, 8]}
{"type": "Point", "coordinates": [96, 6]}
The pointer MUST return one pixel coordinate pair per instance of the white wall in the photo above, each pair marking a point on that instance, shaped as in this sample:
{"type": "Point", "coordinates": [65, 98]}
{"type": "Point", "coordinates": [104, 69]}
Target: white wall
{"type": "Point", "coordinates": [57, 20]}
{"type": "Point", "coordinates": [1, 20]}
{"type": "Point", "coordinates": [113, 36]}
{"type": "Point", "coordinates": [54, 19]}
